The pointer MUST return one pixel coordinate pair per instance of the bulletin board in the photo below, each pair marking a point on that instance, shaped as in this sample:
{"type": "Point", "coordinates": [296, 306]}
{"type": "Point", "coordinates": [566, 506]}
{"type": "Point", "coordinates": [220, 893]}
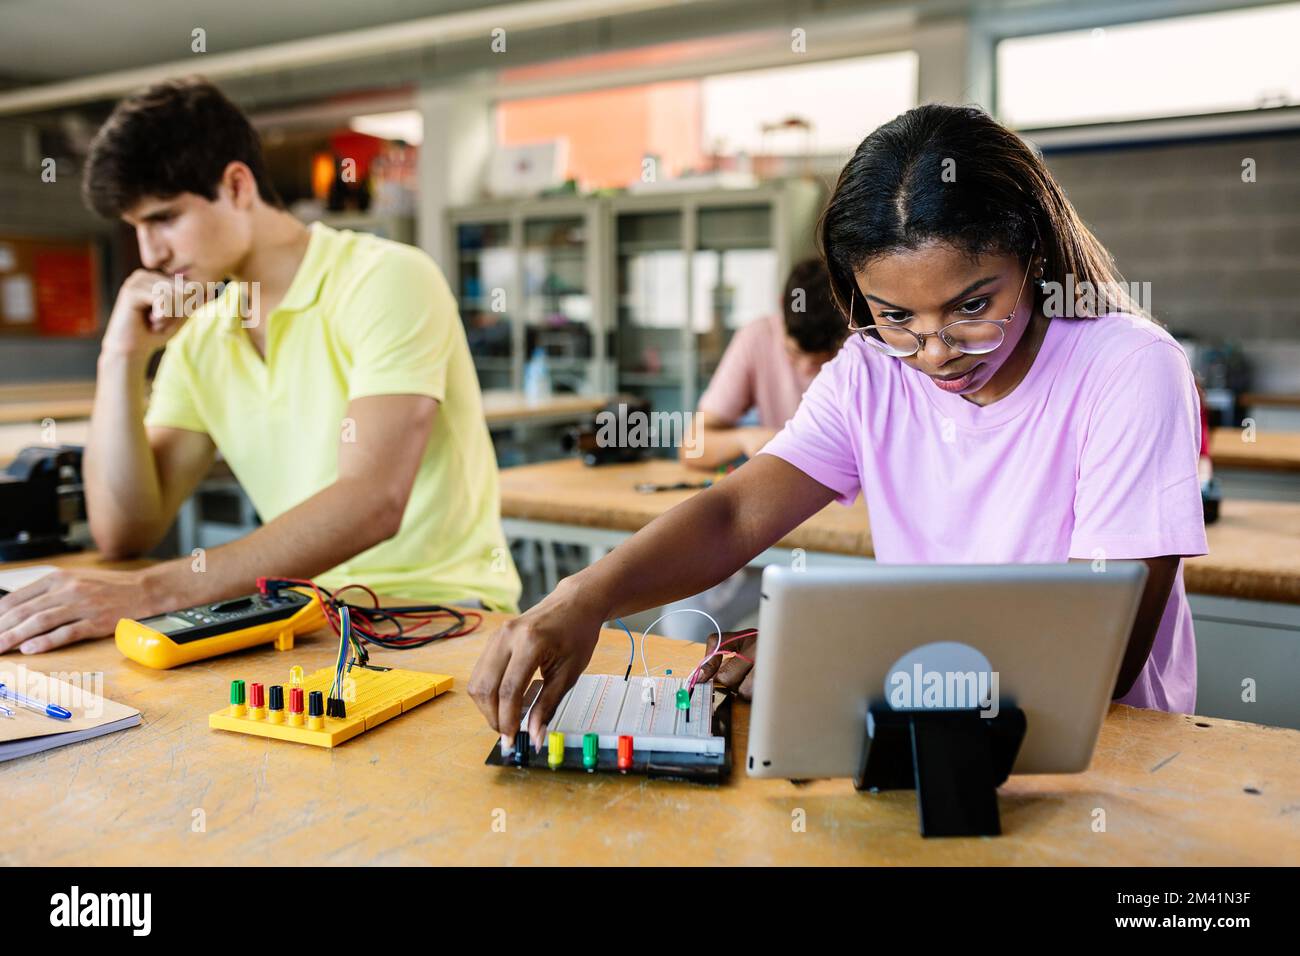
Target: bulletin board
{"type": "Point", "coordinates": [49, 287]}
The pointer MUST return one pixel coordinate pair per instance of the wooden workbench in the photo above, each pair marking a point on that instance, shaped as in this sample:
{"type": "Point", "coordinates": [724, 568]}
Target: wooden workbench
{"type": "Point", "coordinates": [1279, 400]}
{"type": "Point", "coordinates": [1267, 450]}
{"type": "Point", "coordinates": [24, 407]}
{"type": "Point", "coordinates": [35, 401]}
{"type": "Point", "coordinates": [1176, 790]}
{"type": "Point", "coordinates": [566, 492]}
{"type": "Point", "coordinates": [502, 408]}
{"type": "Point", "coordinates": [15, 436]}
{"type": "Point", "coordinates": [1254, 547]}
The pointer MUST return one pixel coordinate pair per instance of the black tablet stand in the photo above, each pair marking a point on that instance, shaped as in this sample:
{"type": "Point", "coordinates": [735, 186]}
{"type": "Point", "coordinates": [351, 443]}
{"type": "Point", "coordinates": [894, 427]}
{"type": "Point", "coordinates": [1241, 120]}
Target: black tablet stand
{"type": "Point", "coordinates": [954, 759]}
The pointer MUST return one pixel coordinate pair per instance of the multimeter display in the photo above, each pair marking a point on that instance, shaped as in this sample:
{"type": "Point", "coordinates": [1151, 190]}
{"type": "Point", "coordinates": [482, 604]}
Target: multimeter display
{"type": "Point", "coordinates": [167, 625]}
{"type": "Point", "coordinates": [205, 620]}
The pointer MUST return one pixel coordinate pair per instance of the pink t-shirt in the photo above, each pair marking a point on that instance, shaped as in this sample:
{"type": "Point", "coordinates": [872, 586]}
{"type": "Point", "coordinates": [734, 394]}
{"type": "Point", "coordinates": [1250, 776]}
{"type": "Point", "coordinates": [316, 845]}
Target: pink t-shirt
{"type": "Point", "coordinates": [1093, 454]}
{"type": "Point", "coordinates": [756, 371]}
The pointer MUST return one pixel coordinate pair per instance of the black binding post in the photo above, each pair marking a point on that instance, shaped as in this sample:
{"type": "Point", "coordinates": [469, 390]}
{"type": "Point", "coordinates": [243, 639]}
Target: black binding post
{"type": "Point", "coordinates": [954, 759]}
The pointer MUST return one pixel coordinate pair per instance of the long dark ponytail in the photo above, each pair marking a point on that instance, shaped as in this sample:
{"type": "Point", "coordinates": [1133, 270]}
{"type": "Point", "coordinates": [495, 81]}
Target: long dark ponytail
{"type": "Point", "coordinates": [955, 174]}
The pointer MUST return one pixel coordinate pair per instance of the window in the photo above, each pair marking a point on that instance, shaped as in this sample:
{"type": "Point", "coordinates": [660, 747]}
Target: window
{"type": "Point", "coordinates": [697, 124]}
{"type": "Point", "coordinates": [844, 100]}
{"type": "Point", "coordinates": [1183, 66]}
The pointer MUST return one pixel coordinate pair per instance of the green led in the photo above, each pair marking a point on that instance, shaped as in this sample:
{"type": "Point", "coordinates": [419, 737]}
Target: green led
{"type": "Point", "coordinates": [590, 750]}
{"type": "Point", "coordinates": [236, 692]}
{"type": "Point", "coordinates": [683, 699]}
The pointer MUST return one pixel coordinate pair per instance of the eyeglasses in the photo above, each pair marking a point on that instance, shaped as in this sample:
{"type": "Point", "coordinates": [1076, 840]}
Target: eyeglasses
{"type": "Point", "coordinates": [969, 336]}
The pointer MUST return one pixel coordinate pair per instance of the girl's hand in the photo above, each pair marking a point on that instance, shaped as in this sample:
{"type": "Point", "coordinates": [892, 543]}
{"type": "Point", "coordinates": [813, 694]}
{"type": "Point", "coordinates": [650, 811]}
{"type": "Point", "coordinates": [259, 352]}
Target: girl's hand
{"type": "Point", "coordinates": [556, 637]}
{"type": "Point", "coordinates": [734, 667]}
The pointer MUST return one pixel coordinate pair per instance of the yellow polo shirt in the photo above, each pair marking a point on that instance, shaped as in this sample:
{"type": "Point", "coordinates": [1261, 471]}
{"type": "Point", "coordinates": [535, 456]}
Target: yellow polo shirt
{"type": "Point", "coordinates": [363, 316]}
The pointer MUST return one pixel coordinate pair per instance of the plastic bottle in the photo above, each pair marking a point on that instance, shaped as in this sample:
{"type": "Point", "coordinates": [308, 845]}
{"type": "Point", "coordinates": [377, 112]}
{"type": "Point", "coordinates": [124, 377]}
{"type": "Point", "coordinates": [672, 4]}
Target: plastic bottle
{"type": "Point", "coordinates": [537, 377]}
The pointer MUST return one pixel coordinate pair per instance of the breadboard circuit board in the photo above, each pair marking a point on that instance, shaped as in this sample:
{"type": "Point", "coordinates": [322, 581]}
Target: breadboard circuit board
{"type": "Point", "coordinates": [608, 724]}
{"type": "Point", "coordinates": [610, 707]}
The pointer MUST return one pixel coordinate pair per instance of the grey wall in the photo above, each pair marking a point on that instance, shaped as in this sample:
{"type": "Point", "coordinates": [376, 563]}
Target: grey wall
{"type": "Point", "coordinates": [1222, 256]}
{"type": "Point", "coordinates": [30, 206]}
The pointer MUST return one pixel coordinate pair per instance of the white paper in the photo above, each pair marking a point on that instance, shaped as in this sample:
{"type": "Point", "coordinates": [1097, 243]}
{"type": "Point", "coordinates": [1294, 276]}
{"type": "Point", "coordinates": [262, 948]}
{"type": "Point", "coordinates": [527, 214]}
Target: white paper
{"type": "Point", "coordinates": [18, 299]}
{"type": "Point", "coordinates": [15, 578]}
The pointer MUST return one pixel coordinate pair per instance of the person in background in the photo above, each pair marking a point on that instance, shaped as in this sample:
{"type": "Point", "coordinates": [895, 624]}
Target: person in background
{"type": "Point", "coordinates": [766, 368]}
{"type": "Point", "coordinates": [332, 374]}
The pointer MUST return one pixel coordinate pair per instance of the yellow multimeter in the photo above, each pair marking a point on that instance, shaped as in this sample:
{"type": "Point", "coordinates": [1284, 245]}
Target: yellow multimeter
{"type": "Point", "coordinates": [206, 630]}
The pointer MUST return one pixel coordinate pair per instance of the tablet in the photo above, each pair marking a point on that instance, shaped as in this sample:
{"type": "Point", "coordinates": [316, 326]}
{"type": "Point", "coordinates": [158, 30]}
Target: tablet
{"type": "Point", "coordinates": [1047, 638]}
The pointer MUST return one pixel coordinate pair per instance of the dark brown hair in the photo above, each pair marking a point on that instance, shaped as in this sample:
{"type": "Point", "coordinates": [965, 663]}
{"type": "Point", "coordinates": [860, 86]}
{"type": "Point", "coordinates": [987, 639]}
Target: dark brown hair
{"type": "Point", "coordinates": [816, 326]}
{"type": "Point", "coordinates": [955, 174]}
{"type": "Point", "coordinates": [175, 137]}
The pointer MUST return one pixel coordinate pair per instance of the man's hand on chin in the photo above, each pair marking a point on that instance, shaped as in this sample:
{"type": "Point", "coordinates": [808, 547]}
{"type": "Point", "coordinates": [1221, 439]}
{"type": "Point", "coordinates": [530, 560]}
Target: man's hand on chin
{"type": "Point", "coordinates": [72, 605]}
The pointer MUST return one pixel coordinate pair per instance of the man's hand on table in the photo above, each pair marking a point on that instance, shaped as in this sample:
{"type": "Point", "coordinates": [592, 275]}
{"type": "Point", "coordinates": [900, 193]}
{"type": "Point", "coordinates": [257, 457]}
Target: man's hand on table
{"type": "Point", "coordinates": [72, 605]}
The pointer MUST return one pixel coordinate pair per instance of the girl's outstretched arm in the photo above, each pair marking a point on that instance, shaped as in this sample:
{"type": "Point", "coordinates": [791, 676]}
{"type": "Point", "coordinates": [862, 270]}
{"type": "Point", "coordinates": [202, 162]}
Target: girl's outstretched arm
{"type": "Point", "coordinates": [694, 546]}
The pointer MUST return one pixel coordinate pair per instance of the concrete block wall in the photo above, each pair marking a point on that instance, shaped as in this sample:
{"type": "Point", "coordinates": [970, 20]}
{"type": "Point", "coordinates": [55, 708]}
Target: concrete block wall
{"type": "Point", "coordinates": [28, 205]}
{"type": "Point", "coordinates": [1222, 255]}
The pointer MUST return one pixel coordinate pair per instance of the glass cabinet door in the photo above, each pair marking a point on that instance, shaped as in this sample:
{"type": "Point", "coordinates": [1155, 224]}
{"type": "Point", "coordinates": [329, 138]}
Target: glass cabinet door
{"type": "Point", "coordinates": [734, 279]}
{"type": "Point", "coordinates": [651, 279]}
{"type": "Point", "coordinates": [486, 274]}
{"type": "Point", "coordinates": [557, 303]}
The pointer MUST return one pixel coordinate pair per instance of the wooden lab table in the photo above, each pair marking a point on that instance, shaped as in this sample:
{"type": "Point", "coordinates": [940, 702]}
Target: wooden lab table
{"type": "Point", "coordinates": [35, 401]}
{"type": "Point", "coordinates": [503, 408]}
{"type": "Point", "coordinates": [1176, 790]}
{"type": "Point", "coordinates": [566, 502]}
{"type": "Point", "coordinates": [1258, 463]}
{"type": "Point", "coordinates": [15, 436]}
{"type": "Point", "coordinates": [1266, 450]}
{"type": "Point", "coordinates": [74, 399]}
{"type": "Point", "coordinates": [43, 413]}
{"type": "Point", "coordinates": [23, 408]}
{"type": "Point", "coordinates": [1254, 400]}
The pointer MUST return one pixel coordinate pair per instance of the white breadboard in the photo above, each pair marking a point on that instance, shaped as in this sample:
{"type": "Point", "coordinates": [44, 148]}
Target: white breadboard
{"type": "Point", "coordinates": [607, 705]}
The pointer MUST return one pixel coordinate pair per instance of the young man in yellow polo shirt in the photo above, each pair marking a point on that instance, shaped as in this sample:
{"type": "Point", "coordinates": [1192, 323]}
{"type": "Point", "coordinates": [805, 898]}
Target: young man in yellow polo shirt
{"type": "Point", "coordinates": [332, 374]}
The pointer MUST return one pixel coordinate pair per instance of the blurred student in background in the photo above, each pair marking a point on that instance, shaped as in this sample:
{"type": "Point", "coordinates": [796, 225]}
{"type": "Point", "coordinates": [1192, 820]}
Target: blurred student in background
{"type": "Point", "coordinates": [766, 369]}
{"type": "Point", "coordinates": [754, 392]}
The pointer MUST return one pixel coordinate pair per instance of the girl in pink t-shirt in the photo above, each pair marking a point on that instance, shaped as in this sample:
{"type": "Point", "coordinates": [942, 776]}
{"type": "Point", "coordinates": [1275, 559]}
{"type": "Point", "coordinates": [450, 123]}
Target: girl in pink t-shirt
{"type": "Point", "coordinates": [1003, 400]}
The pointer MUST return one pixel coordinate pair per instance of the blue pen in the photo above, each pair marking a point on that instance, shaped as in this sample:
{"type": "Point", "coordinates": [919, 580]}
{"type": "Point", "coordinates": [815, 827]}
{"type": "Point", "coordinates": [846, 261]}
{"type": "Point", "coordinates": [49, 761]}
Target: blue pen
{"type": "Point", "coordinates": [31, 703]}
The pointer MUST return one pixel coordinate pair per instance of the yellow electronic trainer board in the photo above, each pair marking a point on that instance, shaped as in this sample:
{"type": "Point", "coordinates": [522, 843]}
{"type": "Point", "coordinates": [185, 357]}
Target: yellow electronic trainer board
{"type": "Point", "coordinates": [295, 711]}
